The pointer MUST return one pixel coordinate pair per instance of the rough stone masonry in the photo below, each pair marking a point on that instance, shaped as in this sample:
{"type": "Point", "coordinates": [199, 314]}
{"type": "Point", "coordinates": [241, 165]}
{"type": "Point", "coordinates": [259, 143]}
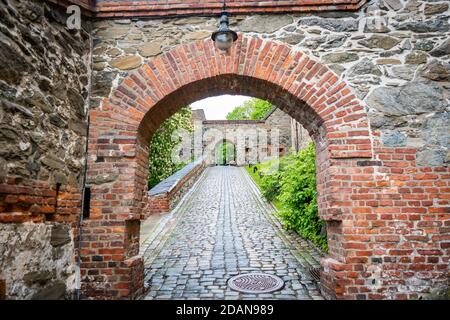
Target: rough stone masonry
{"type": "Point", "coordinates": [44, 81]}
{"type": "Point", "coordinates": [391, 226]}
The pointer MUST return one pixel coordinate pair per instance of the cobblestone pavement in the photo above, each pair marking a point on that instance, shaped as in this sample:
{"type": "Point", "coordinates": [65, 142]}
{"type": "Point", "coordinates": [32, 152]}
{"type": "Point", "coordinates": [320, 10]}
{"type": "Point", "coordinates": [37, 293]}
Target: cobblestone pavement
{"type": "Point", "coordinates": [223, 228]}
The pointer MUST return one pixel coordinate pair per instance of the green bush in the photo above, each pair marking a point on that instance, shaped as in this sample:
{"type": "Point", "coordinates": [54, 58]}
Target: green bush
{"type": "Point", "coordinates": [298, 196]}
{"type": "Point", "coordinates": [293, 187]}
{"type": "Point", "coordinates": [270, 186]}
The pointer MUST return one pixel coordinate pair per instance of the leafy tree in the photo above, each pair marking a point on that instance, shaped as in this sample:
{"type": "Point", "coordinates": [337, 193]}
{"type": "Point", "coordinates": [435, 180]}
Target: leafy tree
{"type": "Point", "coordinates": [253, 109]}
{"type": "Point", "coordinates": [239, 113]}
{"type": "Point", "coordinates": [162, 144]}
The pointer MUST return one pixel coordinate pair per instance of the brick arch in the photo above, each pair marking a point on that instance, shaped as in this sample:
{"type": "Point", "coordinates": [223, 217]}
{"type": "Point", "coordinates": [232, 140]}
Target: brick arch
{"type": "Point", "coordinates": [290, 79]}
{"type": "Point", "coordinates": [122, 127]}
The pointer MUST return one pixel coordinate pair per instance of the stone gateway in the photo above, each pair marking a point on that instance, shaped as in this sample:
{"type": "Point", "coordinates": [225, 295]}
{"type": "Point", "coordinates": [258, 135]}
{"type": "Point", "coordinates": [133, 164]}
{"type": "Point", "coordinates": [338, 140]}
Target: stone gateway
{"type": "Point", "coordinates": [368, 80]}
{"type": "Point", "coordinates": [250, 138]}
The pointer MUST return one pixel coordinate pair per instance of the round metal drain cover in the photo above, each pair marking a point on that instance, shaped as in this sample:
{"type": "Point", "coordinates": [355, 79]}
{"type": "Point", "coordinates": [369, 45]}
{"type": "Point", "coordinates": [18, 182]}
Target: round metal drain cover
{"type": "Point", "coordinates": [255, 283]}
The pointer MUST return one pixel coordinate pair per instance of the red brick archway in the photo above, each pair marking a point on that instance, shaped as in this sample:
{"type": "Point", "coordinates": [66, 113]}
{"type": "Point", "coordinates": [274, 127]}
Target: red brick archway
{"type": "Point", "coordinates": [122, 126]}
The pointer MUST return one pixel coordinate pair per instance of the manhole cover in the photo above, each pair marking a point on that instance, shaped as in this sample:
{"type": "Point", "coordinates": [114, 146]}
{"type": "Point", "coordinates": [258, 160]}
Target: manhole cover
{"type": "Point", "coordinates": [255, 283]}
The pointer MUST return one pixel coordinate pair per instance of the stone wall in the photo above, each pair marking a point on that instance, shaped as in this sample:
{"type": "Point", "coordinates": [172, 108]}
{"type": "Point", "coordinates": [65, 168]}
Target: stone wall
{"type": "Point", "coordinates": [44, 80]}
{"type": "Point", "coordinates": [388, 52]}
{"type": "Point", "coordinates": [392, 239]}
{"type": "Point", "coordinates": [37, 260]}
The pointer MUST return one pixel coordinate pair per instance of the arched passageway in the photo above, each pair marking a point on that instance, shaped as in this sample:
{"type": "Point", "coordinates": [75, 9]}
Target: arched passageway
{"type": "Point", "coordinates": [225, 152]}
{"type": "Point", "coordinates": [122, 127]}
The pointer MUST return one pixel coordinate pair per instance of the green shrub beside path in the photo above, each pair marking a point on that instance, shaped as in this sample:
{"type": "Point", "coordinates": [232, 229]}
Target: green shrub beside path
{"type": "Point", "coordinates": [292, 190]}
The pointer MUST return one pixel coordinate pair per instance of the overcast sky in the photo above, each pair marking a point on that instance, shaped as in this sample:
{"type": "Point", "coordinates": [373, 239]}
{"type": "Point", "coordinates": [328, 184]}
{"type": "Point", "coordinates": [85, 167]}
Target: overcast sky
{"type": "Point", "coordinates": [216, 108]}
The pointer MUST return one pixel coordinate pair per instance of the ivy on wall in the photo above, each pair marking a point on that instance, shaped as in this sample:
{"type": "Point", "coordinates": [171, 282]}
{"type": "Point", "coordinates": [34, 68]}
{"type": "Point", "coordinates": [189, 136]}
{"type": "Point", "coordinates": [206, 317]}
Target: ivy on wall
{"type": "Point", "coordinates": [161, 164]}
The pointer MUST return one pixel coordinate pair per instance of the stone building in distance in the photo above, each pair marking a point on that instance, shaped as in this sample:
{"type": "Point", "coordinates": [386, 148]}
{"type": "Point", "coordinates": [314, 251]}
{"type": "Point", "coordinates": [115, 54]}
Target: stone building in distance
{"type": "Point", "coordinates": [252, 138]}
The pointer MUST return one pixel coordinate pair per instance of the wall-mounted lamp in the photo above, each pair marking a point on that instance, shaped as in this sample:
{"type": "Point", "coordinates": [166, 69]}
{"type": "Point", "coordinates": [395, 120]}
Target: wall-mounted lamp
{"type": "Point", "coordinates": [224, 37]}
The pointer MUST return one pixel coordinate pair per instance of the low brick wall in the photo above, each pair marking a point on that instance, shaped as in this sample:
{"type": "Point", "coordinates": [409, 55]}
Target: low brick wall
{"type": "Point", "coordinates": [165, 195]}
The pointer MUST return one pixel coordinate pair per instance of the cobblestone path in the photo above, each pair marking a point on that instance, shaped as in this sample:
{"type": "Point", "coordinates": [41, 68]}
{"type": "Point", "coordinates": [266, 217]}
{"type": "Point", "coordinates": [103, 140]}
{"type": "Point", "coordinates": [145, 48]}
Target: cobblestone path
{"type": "Point", "coordinates": [220, 229]}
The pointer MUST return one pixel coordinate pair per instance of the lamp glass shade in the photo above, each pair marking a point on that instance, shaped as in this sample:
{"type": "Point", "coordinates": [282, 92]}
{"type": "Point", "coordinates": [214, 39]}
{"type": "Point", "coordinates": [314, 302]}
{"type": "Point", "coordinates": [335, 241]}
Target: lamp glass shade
{"type": "Point", "coordinates": [224, 40]}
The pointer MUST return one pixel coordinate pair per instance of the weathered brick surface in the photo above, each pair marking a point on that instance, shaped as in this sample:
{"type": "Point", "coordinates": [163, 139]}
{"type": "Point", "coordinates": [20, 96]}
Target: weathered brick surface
{"type": "Point", "coordinates": [38, 201]}
{"type": "Point", "coordinates": [156, 204]}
